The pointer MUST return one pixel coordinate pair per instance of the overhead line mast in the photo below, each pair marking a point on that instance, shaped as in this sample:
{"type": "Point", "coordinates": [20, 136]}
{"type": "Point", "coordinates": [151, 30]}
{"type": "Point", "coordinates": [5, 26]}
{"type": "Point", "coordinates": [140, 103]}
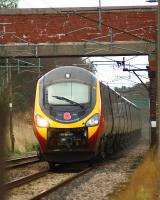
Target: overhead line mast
{"type": "Point", "coordinates": [156, 124]}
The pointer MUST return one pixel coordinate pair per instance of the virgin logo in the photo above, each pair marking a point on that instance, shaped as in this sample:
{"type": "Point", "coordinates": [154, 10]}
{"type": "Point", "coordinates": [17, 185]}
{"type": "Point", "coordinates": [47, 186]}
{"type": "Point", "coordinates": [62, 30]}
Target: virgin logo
{"type": "Point", "coordinates": [67, 116]}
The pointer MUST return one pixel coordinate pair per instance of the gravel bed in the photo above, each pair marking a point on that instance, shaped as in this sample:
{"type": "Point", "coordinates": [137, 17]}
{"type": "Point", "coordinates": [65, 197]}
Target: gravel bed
{"type": "Point", "coordinates": [33, 188]}
{"type": "Point", "coordinates": [101, 182]}
{"type": "Point", "coordinates": [16, 173]}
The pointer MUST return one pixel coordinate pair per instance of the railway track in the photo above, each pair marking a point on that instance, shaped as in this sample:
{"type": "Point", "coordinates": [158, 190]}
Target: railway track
{"type": "Point", "coordinates": [69, 173]}
{"type": "Point", "coordinates": [25, 180]}
{"type": "Point", "coordinates": [29, 178]}
{"type": "Point", "coordinates": [77, 173]}
{"type": "Point", "coordinates": [63, 182]}
{"type": "Point", "coordinates": [56, 186]}
{"type": "Point", "coordinates": [13, 163]}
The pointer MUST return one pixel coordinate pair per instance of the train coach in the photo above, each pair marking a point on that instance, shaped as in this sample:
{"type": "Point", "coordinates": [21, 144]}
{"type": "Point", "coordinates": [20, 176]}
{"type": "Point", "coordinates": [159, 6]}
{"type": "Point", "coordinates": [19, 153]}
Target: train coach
{"type": "Point", "coordinates": [79, 118]}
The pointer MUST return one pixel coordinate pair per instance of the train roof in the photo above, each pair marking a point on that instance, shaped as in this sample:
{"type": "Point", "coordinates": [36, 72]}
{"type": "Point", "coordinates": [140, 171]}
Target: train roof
{"type": "Point", "coordinates": [77, 68]}
{"type": "Point", "coordinates": [74, 72]}
{"type": "Point", "coordinates": [125, 99]}
{"type": "Point", "coordinates": [80, 69]}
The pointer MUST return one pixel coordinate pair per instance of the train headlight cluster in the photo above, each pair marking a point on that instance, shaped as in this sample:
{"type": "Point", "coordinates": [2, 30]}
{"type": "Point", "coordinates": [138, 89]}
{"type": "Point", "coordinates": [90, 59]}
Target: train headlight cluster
{"type": "Point", "coordinates": [93, 121]}
{"type": "Point", "coordinates": [41, 122]}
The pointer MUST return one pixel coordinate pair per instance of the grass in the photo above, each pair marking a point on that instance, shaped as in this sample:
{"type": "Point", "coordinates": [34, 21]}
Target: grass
{"type": "Point", "coordinates": [145, 182]}
{"type": "Point", "coordinates": [14, 154]}
{"type": "Point", "coordinates": [22, 129]}
{"type": "Point", "coordinates": [28, 149]}
{"type": "Point", "coordinates": [31, 147]}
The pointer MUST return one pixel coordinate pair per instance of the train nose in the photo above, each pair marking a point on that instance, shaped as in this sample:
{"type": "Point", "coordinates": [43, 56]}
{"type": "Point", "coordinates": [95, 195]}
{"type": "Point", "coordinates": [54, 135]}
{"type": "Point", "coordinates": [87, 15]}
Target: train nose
{"type": "Point", "coordinates": [73, 138]}
{"type": "Point", "coordinates": [67, 142]}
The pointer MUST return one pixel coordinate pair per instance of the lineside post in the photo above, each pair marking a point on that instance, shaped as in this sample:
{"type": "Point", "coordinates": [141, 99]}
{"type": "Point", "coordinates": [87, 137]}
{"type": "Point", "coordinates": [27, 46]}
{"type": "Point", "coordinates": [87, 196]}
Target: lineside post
{"type": "Point", "coordinates": [3, 125]}
{"type": "Point", "coordinates": [152, 95]}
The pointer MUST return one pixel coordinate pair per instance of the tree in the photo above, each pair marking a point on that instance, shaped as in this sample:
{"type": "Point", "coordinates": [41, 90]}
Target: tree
{"type": "Point", "coordinates": [8, 3]}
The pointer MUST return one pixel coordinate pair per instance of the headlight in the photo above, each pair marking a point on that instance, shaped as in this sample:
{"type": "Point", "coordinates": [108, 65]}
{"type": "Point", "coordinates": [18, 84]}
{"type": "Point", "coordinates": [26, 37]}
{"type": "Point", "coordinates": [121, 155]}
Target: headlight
{"type": "Point", "coordinates": [93, 121]}
{"type": "Point", "coordinates": [41, 122]}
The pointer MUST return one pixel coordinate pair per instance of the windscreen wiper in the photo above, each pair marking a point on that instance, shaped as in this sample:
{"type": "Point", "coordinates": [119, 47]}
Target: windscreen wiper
{"type": "Point", "coordinates": [68, 100]}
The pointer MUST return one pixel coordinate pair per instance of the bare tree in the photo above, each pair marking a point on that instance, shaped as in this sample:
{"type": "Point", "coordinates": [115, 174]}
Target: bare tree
{"type": "Point", "coordinates": [8, 3]}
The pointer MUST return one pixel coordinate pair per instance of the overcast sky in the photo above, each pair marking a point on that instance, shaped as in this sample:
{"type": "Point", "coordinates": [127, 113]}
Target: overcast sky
{"type": "Point", "coordinates": [78, 3]}
{"type": "Point", "coordinates": [109, 73]}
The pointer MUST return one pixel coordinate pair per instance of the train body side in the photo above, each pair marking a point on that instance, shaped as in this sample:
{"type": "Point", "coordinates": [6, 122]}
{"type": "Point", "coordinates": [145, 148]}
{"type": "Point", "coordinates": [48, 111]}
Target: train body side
{"type": "Point", "coordinates": [121, 116]}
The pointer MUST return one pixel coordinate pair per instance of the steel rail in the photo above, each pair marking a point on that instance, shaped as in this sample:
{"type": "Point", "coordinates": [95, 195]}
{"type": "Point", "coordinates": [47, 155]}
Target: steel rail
{"type": "Point", "coordinates": [13, 163]}
{"type": "Point", "coordinates": [64, 183]}
{"type": "Point", "coordinates": [20, 159]}
{"type": "Point", "coordinates": [24, 180]}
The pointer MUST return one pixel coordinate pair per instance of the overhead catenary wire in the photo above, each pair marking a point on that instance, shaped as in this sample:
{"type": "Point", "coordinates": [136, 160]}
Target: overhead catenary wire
{"type": "Point", "coordinates": [121, 67]}
{"type": "Point", "coordinates": [109, 82]}
{"type": "Point", "coordinates": [117, 61]}
{"type": "Point", "coordinates": [112, 46]}
{"type": "Point", "coordinates": [113, 34]}
{"type": "Point", "coordinates": [142, 76]}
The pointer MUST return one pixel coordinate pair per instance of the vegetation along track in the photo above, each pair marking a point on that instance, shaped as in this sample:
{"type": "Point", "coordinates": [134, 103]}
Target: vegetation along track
{"type": "Point", "coordinates": [13, 163]}
{"type": "Point", "coordinates": [102, 179]}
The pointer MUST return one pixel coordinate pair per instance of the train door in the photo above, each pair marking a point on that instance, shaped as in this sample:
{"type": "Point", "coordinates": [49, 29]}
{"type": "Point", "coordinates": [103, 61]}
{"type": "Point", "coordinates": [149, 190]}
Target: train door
{"type": "Point", "coordinates": [125, 117]}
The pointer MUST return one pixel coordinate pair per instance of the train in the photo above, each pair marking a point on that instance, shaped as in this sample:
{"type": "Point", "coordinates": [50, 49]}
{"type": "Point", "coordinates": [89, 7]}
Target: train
{"type": "Point", "coordinates": [79, 118]}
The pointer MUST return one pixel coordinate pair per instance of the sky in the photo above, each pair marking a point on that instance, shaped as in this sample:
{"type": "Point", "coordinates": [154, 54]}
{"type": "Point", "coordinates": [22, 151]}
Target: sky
{"type": "Point", "coordinates": [109, 72]}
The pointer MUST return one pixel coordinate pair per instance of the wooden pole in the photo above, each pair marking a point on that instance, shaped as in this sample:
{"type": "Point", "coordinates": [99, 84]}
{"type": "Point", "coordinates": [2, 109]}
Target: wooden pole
{"type": "Point", "coordinates": [158, 75]}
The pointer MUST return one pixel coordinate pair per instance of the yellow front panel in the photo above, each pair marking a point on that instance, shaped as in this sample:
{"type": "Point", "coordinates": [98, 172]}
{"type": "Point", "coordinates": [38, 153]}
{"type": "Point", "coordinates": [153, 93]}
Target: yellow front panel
{"type": "Point", "coordinates": [81, 123]}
